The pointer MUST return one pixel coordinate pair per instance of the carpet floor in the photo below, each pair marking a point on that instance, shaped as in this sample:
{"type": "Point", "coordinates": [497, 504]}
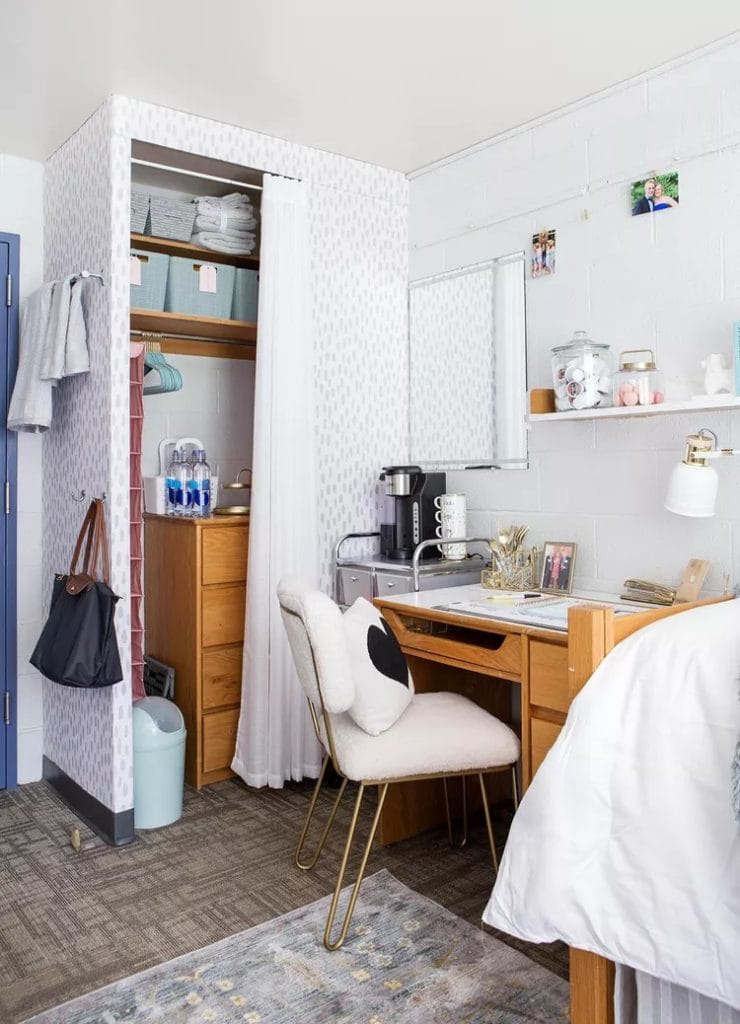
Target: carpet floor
{"type": "Point", "coordinates": [72, 920]}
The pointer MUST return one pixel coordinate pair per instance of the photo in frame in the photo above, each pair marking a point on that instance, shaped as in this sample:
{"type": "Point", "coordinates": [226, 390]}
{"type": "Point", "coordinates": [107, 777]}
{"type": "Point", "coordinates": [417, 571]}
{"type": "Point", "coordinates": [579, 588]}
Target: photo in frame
{"type": "Point", "coordinates": [543, 253]}
{"type": "Point", "coordinates": [654, 193]}
{"type": "Point", "coordinates": [558, 562]}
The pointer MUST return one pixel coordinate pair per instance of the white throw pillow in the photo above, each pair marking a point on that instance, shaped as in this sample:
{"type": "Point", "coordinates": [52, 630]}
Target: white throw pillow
{"type": "Point", "coordinates": [383, 683]}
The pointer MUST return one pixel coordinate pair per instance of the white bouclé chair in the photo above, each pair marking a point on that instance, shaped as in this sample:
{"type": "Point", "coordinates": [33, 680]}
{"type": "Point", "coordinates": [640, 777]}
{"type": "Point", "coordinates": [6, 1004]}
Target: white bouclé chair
{"type": "Point", "coordinates": [437, 736]}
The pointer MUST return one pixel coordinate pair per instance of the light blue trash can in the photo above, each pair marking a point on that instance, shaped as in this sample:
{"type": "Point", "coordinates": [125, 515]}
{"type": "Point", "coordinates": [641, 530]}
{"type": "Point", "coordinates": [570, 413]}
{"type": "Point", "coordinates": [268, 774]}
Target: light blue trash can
{"type": "Point", "coordinates": [159, 762]}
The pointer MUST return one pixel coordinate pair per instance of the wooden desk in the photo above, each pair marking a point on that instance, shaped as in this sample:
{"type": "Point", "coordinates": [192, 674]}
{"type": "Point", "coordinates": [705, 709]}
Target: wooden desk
{"type": "Point", "coordinates": [481, 658]}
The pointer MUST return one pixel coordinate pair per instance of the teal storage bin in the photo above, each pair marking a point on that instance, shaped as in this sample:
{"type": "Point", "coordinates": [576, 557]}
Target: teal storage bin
{"type": "Point", "coordinates": [246, 290]}
{"type": "Point", "coordinates": [139, 210]}
{"type": "Point", "coordinates": [150, 294]}
{"type": "Point", "coordinates": [184, 294]}
{"type": "Point", "coordinates": [159, 761]}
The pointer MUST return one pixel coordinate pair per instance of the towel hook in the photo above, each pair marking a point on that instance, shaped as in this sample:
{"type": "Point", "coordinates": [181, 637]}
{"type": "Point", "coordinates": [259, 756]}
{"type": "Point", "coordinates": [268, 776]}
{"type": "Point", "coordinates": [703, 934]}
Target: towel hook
{"type": "Point", "coordinates": [83, 494]}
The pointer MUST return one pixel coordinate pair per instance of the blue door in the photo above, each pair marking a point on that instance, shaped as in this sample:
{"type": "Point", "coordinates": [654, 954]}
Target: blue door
{"type": "Point", "coordinates": [9, 278]}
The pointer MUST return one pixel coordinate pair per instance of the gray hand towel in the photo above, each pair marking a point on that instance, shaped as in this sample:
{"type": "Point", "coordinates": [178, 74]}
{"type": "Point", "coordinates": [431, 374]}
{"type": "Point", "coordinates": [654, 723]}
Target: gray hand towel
{"type": "Point", "coordinates": [30, 406]}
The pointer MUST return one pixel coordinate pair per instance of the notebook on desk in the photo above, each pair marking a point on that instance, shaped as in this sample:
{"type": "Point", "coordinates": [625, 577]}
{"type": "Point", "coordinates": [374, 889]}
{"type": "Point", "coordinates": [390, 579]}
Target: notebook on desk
{"type": "Point", "coordinates": [547, 612]}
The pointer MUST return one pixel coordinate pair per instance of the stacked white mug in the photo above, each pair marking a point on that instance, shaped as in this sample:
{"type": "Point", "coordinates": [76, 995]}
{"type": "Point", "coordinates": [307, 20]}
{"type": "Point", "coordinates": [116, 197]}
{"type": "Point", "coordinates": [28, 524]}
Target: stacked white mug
{"type": "Point", "coordinates": [452, 520]}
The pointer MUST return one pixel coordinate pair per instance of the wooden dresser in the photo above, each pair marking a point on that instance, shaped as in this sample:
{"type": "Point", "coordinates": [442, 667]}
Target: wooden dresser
{"type": "Point", "coordinates": [195, 574]}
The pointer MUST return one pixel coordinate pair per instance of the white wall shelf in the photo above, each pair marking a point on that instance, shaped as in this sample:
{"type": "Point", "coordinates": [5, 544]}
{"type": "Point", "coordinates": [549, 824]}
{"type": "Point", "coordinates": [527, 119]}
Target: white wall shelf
{"type": "Point", "coordinates": [696, 404]}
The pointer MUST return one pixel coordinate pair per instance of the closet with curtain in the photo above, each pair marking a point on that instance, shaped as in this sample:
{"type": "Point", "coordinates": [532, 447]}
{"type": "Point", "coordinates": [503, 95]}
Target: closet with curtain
{"type": "Point", "coordinates": [319, 421]}
{"type": "Point", "coordinates": [194, 278]}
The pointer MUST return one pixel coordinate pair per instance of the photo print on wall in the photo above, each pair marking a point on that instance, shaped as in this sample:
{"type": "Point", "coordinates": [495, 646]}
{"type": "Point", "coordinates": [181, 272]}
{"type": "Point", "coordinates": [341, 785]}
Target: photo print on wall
{"type": "Point", "coordinates": [543, 253]}
{"type": "Point", "coordinates": [656, 192]}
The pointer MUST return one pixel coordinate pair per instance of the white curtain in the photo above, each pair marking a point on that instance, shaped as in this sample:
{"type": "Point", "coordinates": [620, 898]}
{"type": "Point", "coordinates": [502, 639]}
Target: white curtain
{"type": "Point", "coordinates": [640, 998]}
{"type": "Point", "coordinates": [275, 741]}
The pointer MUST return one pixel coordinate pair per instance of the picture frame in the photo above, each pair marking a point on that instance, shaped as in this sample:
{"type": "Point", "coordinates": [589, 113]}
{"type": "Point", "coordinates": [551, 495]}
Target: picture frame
{"type": "Point", "coordinates": [558, 563]}
{"type": "Point", "coordinates": [655, 192]}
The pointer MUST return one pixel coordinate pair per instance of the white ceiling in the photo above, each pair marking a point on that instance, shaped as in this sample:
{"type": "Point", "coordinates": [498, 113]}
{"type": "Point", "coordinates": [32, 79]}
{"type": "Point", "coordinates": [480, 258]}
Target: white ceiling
{"type": "Point", "coordinates": [395, 82]}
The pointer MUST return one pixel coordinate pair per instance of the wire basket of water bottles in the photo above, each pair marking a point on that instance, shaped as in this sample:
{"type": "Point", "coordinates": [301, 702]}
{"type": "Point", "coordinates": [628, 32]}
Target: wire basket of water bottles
{"type": "Point", "coordinates": [513, 566]}
{"type": "Point", "coordinates": [184, 486]}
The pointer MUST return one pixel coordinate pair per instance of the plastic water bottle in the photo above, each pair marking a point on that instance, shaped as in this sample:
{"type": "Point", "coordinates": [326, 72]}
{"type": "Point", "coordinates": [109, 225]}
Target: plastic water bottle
{"type": "Point", "coordinates": [183, 478]}
{"type": "Point", "coordinates": [171, 482]}
{"type": "Point", "coordinates": [201, 486]}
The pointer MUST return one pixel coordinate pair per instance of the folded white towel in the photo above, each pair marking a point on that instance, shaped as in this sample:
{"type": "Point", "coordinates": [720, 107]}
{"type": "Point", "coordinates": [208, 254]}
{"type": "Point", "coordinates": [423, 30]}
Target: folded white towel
{"type": "Point", "coordinates": [234, 201]}
{"type": "Point", "coordinates": [216, 242]}
{"type": "Point", "coordinates": [30, 406]}
{"type": "Point", "coordinates": [225, 224]}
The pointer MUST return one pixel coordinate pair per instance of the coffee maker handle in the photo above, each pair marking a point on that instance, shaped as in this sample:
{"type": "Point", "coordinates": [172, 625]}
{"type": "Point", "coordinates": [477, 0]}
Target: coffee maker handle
{"type": "Point", "coordinates": [432, 543]}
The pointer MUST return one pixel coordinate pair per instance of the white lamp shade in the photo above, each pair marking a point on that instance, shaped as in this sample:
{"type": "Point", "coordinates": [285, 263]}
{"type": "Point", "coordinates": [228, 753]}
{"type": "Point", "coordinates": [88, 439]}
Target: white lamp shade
{"type": "Point", "coordinates": [692, 490]}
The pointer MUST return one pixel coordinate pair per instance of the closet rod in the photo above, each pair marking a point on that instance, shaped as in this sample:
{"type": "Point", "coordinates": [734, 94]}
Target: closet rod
{"type": "Point", "coordinates": [194, 174]}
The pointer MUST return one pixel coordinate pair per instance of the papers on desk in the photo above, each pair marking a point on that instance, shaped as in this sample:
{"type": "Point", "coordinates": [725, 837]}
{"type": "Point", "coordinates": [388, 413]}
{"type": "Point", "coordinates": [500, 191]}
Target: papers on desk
{"type": "Point", "coordinates": [547, 612]}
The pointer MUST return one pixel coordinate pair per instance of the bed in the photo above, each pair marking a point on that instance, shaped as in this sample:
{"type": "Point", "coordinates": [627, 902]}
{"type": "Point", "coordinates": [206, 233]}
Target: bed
{"type": "Point", "coordinates": [626, 844]}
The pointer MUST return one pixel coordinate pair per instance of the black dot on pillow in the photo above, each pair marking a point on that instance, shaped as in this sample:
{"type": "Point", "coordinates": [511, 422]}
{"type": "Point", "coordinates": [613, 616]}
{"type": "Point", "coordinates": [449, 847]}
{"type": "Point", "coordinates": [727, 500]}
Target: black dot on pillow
{"type": "Point", "coordinates": [386, 654]}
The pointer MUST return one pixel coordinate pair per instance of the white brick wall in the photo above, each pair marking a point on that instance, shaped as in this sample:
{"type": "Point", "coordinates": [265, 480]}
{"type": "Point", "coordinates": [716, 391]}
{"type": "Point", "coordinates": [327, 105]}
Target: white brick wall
{"type": "Point", "coordinates": [21, 213]}
{"type": "Point", "coordinates": [670, 282]}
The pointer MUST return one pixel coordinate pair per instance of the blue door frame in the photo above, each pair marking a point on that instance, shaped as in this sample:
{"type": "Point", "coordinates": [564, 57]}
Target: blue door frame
{"type": "Point", "coordinates": [9, 282]}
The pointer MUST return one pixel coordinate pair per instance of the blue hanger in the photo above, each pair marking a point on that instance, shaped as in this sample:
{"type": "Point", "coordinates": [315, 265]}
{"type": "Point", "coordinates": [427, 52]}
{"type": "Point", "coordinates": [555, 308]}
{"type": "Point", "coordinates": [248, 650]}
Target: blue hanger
{"type": "Point", "coordinates": [170, 379]}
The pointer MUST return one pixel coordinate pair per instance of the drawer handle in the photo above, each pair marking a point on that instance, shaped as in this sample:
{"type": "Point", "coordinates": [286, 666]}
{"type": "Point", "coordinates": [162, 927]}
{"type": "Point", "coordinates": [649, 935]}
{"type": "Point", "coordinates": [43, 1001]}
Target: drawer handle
{"type": "Point", "coordinates": [353, 579]}
{"type": "Point", "coordinates": [390, 585]}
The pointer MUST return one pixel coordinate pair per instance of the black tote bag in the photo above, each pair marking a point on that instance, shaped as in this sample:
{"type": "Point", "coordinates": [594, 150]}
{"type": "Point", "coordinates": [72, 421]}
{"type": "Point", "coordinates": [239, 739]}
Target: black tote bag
{"type": "Point", "coordinates": [78, 645]}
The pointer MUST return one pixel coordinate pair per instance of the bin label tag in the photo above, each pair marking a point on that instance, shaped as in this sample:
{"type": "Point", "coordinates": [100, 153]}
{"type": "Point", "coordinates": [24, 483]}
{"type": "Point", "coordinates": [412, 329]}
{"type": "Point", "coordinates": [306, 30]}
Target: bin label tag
{"type": "Point", "coordinates": [207, 278]}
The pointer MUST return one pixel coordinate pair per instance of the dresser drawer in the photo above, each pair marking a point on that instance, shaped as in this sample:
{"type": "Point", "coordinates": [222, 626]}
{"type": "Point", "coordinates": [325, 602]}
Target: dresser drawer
{"type": "Point", "coordinates": [356, 583]}
{"type": "Point", "coordinates": [223, 615]}
{"type": "Point", "coordinates": [388, 584]}
{"type": "Point", "coordinates": [224, 554]}
{"type": "Point", "coordinates": [543, 735]}
{"type": "Point", "coordinates": [548, 675]}
{"type": "Point", "coordinates": [219, 739]}
{"type": "Point", "coordinates": [222, 677]}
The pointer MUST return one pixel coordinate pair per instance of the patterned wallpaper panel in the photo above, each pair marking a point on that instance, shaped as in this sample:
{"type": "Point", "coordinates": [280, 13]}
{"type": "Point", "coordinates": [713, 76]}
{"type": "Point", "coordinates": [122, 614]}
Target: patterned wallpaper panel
{"type": "Point", "coordinates": [359, 261]}
{"type": "Point", "coordinates": [88, 734]}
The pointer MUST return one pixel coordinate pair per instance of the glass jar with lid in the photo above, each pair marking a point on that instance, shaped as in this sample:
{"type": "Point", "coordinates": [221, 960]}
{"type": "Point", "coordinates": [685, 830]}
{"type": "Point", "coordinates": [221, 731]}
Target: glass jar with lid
{"type": "Point", "coordinates": [638, 381]}
{"type": "Point", "coordinates": [582, 374]}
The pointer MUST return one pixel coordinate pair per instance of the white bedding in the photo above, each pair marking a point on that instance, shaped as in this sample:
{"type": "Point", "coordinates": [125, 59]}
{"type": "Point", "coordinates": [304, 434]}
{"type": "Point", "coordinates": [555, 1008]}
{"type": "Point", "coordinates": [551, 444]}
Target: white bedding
{"type": "Point", "coordinates": [626, 844]}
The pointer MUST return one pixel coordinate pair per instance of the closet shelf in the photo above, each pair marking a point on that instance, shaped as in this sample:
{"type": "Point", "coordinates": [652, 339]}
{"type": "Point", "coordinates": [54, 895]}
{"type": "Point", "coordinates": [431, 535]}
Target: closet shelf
{"type": "Point", "coordinates": [171, 247]}
{"type": "Point", "coordinates": [212, 328]}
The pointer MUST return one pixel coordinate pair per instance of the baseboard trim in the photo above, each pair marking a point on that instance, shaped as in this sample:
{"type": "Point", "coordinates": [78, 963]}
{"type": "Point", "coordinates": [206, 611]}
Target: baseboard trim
{"type": "Point", "coordinates": [115, 827]}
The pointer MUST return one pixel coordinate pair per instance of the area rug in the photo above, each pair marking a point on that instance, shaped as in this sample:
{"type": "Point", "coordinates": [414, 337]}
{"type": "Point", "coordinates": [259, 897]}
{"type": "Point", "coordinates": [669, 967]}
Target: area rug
{"type": "Point", "coordinates": [406, 961]}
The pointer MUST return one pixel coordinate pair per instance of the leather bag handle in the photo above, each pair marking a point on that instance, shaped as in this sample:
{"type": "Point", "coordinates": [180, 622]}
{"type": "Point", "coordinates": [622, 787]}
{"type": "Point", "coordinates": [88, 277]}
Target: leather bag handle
{"type": "Point", "coordinates": [87, 533]}
{"type": "Point", "coordinates": [94, 535]}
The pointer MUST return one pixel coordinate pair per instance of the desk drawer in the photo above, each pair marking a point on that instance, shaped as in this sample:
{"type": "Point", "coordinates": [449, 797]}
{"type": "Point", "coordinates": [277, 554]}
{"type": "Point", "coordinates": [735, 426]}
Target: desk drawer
{"type": "Point", "coordinates": [543, 735]}
{"type": "Point", "coordinates": [548, 675]}
{"type": "Point", "coordinates": [224, 554]}
{"type": "Point", "coordinates": [478, 650]}
{"type": "Point", "coordinates": [219, 739]}
{"type": "Point", "coordinates": [223, 615]}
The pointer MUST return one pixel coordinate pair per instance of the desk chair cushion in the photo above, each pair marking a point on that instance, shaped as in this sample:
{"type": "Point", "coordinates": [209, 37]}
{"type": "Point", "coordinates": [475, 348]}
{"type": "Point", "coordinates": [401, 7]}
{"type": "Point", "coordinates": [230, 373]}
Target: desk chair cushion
{"type": "Point", "coordinates": [382, 681]}
{"type": "Point", "coordinates": [439, 733]}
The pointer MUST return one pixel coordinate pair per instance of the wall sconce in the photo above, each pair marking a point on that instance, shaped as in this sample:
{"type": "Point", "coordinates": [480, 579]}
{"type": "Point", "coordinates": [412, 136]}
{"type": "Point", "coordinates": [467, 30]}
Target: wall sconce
{"type": "Point", "coordinates": [692, 487]}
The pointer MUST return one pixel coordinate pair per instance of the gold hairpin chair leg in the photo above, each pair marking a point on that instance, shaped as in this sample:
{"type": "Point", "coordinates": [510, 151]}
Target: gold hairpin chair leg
{"type": "Point", "coordinates": [489, 826]}
{"type": "Point", "coordinates": [464, 840]}
{"type": "Point", "coordinates": [307, 865]}
{"type": "Point", "coordinates": [334, 945]}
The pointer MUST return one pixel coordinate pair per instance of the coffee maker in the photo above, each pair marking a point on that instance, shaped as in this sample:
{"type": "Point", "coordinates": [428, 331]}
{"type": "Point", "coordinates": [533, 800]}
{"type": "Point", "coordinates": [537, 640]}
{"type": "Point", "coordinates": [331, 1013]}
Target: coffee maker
{"type": "Point", "coordinates": [407, 510]}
